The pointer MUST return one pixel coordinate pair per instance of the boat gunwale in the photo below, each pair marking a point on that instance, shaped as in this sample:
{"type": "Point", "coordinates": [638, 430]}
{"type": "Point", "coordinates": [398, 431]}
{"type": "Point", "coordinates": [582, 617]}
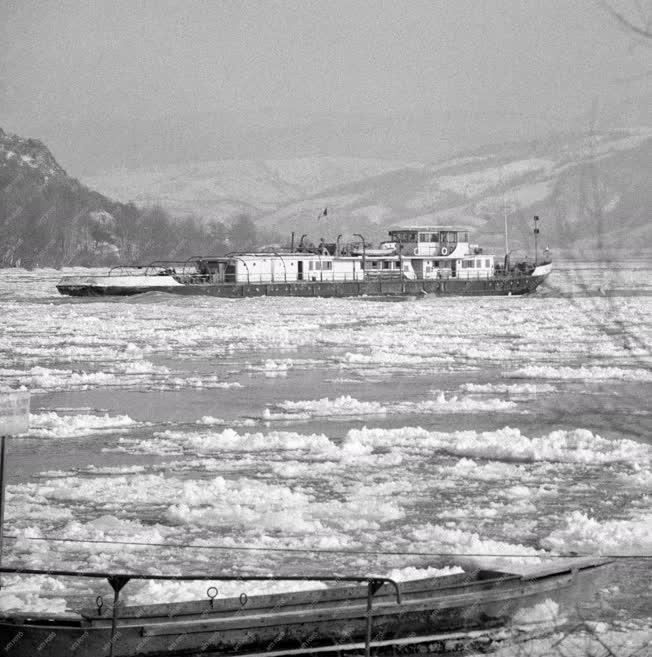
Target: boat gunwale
{"type": "Point", "coordinates": [327, 595]}
{"type": "Point", "coordinates": [551, 580]}
{"type": "Point", "coordinates": [353, 612]}
{"type": "Point", "coordinates": [241, 621]}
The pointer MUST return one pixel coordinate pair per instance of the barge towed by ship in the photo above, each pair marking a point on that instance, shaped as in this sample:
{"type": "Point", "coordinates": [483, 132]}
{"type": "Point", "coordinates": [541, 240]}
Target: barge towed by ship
{"type": "Point", "coordinates": [416, 260]}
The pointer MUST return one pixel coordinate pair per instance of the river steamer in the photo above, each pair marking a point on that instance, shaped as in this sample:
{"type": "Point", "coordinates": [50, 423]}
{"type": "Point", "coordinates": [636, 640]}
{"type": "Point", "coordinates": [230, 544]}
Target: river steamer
{"type": "Point", "coordinates": [416, 260]}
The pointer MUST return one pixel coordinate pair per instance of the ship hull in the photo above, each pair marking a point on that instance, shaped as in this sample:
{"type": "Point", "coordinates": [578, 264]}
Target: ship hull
{"type": "Point", "coordinates": [495, 286]}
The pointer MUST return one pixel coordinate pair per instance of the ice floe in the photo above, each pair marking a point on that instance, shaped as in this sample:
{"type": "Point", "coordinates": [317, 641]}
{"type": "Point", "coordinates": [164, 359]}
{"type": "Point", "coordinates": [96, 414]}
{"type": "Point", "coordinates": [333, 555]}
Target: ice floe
{"type": "Point", "coordinates": [583, 533]}
{"type": "Point", "coordinates": [221, 473]}
{"type": "Point", "coordinates": [512, 389]}
{"type": "Point", "coordinates": [346, 405]}
{"type": "Point", "coordinates": [509, 444]}
{"type": "Point", "coordinates": [53, 425]}
{"type": "Point", "coordinates": [593, 373]}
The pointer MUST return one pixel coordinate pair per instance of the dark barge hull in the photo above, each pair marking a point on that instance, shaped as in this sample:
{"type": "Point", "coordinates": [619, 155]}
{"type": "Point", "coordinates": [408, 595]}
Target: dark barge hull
{"type": "Point", "coordinates": [496, 286]}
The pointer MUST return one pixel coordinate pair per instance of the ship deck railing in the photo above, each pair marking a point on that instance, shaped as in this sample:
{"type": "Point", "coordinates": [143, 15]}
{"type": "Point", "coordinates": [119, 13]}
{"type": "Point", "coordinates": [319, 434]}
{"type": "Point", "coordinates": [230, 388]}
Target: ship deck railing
{"type": "Point", "coordinates": [333, 277]}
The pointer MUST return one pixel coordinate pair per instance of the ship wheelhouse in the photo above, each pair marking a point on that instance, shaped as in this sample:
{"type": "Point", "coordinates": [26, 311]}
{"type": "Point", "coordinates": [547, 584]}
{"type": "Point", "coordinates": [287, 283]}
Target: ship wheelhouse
{"type": "Point", "coordinates": [440, 252]}
{"type": "Point", "coordinates": [430, 240]}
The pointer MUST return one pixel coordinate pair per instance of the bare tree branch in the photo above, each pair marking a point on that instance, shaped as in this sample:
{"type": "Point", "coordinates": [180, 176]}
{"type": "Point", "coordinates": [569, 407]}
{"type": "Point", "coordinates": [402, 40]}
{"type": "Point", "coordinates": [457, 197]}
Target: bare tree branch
{"type": "Point", "coordinates": [643, 30]}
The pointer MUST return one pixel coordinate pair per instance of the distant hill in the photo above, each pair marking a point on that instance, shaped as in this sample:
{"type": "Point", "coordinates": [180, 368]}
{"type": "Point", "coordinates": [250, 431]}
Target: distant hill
{"type": "Point", "coordinates": [591, 191]}
{"type": "Point", "coordinates": [48, 218]}
{"type": "Point", "coordinates": [223, 189]}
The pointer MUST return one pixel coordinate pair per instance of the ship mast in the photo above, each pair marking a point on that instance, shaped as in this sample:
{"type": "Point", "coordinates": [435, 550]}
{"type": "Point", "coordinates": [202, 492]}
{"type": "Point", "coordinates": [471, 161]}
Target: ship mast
{"type": "Point", "coordinates": [505, 220]}
{"type": "Point", "coordinates": [502, 184]}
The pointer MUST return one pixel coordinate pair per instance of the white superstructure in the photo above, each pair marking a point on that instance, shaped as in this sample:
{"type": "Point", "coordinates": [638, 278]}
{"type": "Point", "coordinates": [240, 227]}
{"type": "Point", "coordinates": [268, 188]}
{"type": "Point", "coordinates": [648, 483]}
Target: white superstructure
{"type": "Point", "coordinates": [422, 252]}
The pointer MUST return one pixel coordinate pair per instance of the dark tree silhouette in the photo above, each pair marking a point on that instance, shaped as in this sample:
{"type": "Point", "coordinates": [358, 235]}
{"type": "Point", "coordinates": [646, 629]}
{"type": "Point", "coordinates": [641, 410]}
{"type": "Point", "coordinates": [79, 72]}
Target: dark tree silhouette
{"type": "Point", "coordinates": [243, 234]}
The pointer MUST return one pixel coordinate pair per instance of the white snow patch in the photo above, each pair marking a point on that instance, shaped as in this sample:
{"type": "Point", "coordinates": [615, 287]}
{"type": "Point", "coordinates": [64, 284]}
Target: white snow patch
{"type": "Point", "coordinates": [144, 593]}
{"type": "Point", "coordinates": [30, 594]}
{"type": "Point", "coordinates": [411, 572]}
{"type": "Point", "coordinates": [477, 182]}
{"type": "Point", "coordinates": [434, 538]}
{"type": "Point", "coordinates": [546, 612]}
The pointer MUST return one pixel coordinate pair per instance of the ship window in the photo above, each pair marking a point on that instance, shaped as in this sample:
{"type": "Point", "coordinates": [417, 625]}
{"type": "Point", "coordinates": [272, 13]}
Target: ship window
{"type": "Point", "coordinates": [387, 264]}
{"type": "Point", "coordinates": [464, 237]}
{"type": "Point", "coordinates": [404, 236]}
{"type": "Point", "coordinates": [487, 263]}
{"type": "Point", "coordinates": [467, 264]}
{"type": "Point", "coordinates": [310, 265]}
{"type": "Point", "coordinates": [328, 265]}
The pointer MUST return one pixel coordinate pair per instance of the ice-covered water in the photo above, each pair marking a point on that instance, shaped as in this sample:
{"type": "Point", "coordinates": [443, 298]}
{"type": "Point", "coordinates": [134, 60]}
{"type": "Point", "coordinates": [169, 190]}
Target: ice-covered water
{"type": "Point", "coordinates": [512, 427]}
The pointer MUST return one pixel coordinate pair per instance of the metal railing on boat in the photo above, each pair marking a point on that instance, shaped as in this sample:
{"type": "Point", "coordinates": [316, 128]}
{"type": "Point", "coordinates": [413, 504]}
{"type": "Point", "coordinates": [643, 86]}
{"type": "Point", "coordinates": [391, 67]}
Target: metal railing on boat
{"type": "Point", "coordinates": [118, 581]}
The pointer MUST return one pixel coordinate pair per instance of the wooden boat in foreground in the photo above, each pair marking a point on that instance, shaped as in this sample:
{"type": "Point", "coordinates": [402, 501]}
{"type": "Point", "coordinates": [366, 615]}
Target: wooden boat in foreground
{"type": "Point", "coordinates": [415, 616]}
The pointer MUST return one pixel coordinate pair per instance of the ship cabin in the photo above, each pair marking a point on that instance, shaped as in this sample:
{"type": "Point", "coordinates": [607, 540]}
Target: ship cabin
{"type": "Point", "coordinates": [280, 268]}
{"type": "Point", "coordinates": [440, 252]}
{"type": "Point", "coordinates": [420, 252]}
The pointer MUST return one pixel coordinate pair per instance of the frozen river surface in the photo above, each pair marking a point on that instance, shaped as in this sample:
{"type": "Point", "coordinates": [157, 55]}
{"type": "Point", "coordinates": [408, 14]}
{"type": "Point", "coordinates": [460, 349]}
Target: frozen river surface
{"type": "Point", "coordinates": [513, 427]}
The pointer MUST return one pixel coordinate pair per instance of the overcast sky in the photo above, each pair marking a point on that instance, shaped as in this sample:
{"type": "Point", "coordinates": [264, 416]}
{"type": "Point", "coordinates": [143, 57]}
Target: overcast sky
{"type": "Point", "coordinates": [64, 64]}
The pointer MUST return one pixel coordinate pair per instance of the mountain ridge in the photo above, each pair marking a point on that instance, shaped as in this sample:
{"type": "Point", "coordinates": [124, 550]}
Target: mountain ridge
{"type": "Point", "coordinates": [589, 189]}
{"type": "Point", "coordinates": [48, 218]}
{"type": "Point", "coordinates": [577, 182]}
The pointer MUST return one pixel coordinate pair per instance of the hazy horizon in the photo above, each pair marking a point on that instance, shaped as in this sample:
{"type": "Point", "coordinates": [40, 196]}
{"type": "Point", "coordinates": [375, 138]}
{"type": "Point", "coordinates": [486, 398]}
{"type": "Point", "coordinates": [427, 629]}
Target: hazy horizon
{"type": "Point", "coordinates": [107, 85]}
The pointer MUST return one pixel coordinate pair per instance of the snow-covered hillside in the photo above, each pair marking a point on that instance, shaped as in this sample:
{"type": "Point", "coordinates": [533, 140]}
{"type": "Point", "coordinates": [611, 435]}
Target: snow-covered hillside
{"type": "Point", "coordinates": [224, 188]}
{"type": "Point", "coordinates": [572, 180]}
{"type": "Point", "coordinates": [29, 156]}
